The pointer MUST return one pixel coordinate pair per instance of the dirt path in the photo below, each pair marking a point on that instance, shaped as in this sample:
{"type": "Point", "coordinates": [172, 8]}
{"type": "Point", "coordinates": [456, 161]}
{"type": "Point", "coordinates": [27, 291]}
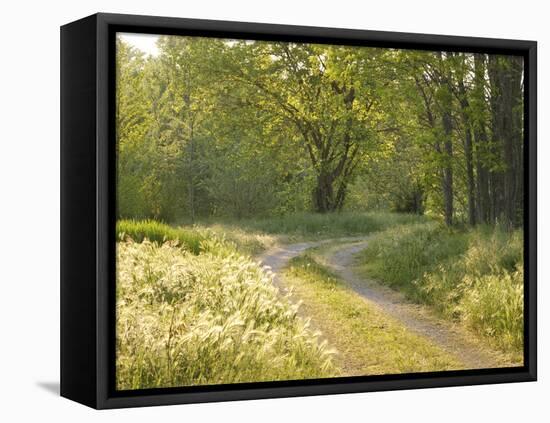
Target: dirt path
{"type": "Point", "coordinates": [341, 260]}
{"type": "Point", "coordinates": [278, 257]}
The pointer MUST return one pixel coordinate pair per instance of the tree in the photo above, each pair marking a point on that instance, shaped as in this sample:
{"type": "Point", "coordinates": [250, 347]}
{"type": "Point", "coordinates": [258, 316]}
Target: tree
{"type": "Point", "coordinates": [481, 146]}
{"type": "Point", "coordinates": [186, 64]}
{"type": "Point", "coordinates": [462, 73]}
{"type": "Point", "coordinates": [326, 94]}
{"type": "Point", "coordinates": [445, 102]}
{"type": "Point", "coordinates": [505, 75]}
{"type": "Point", "coordinates": [132, 122]}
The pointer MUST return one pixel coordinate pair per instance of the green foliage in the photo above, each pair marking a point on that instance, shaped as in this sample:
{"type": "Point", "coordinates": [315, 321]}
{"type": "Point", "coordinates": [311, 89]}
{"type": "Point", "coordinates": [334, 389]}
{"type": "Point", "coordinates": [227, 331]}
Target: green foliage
{"type": "Point", "coordinates": [212, 127]}
{"type": "Point", "coordinates": [209, 319]}
{"type": "Point", "coordinates": [243, 184]}
{"type": "Point", "coordinates": [475, 276]}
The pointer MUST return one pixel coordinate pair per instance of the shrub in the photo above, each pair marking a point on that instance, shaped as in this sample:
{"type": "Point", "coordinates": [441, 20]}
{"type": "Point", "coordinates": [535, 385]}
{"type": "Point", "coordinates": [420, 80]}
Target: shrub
{"type": "Point", "coordinates": [208, 319]}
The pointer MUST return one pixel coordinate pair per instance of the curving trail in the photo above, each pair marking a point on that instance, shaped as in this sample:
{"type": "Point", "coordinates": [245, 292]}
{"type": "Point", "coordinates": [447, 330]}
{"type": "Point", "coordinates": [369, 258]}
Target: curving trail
{"type": "Point", "coordinates": [278, 257]}
{"type": "Point", "coordinates": [417, 318]}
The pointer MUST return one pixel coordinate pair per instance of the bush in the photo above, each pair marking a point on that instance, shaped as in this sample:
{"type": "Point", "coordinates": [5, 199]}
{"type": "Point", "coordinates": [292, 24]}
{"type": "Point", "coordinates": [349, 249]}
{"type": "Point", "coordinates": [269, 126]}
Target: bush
{"type": "Point", "coordinates": [208, 319]}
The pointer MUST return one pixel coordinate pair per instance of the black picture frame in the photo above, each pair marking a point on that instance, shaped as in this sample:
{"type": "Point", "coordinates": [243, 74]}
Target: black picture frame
{"type": "Point", "coordinates": [88, 215]}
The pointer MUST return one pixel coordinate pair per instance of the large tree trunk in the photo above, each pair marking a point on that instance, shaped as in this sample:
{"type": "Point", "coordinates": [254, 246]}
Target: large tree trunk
{"type": "Point", "coordinates": [323, 194]}
{"type": "Point", "coordinates": [448, 167]}
{"type": "Point", "coordinates": [325, 197]}
{"type": "Point", "coordinates": [497, 128]}
{"type": "Point", "coordinates": [512, 141]}
{"type": "Point", "coordinates": [468, 151]}
{"type": "Point", "coordinates": [481, 142]}
{"type": "Point", "coordinates": [506, 100]}
{"type": "Point", "coordinates": [447, 124]}
{"type": "Point", "coordinates": [333, 175]}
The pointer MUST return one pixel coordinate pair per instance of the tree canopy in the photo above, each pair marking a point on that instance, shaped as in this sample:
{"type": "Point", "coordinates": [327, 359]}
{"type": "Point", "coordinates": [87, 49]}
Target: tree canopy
{"type": "Point", "coordinates": [239, 128]}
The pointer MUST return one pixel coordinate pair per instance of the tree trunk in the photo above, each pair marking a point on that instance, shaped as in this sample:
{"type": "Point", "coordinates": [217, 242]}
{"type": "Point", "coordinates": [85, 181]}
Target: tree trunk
{"type": "Point", "coordinates": [190, 147]}
{"type": "Point", "coordinates": [468, 152]}
{"type": "Point", "coordinates": [497, 128]}
{"type": "Point", "coordinates": [323, 194]}
{"type": "Point", "coordinates": [192, 172]}
{"type": "Point", "coordinates": [470, 175]}
{"type": "Point", "coordinates": [324, 199]}
{"type": "Point", "coordinates": [506, 123]}
{"type": "Point", "coordinates": [446, 121]}
{"type": "Point", "coordinates": [448, 167]}
{"type": "Point", "coordinates": [512, 139]}
{"type": "Point", "coordinates": [480, 136]}
{"type": "Point", "coordinates": [518, 142]}
{"type": "Point", "coordinates": [330, 193]}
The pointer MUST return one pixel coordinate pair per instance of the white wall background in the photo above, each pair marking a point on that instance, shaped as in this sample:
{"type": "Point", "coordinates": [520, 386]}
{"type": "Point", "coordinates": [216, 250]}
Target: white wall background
{"type": "Point", "coordinates": [29, 209]}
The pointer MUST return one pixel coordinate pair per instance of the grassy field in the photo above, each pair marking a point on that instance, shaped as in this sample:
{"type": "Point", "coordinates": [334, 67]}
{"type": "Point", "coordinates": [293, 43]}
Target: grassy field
{"type": "Point", "coordinates": [475, 276]}
{"type": "Point", "coordinates": [311, 226]}
{"type": "Point", "coordinates": [369, 341]}
{"type": "Point", "coordinates": [212, 318]}
{"type": "Point", "coordinates": [197, 238]}
{"type": "Point", "coordinates": [194, 307]}
{"type": "Point", "coordinates": [253, 236]}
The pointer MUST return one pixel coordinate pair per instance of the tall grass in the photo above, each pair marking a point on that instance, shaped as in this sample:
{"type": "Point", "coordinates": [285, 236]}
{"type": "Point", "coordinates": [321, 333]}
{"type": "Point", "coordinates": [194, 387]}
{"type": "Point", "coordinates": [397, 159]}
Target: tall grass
{"type": "Point", "coordinates": [185, 319]}
{"type": "Point", "coordinates": [154, 231]}
{"type": "Point", "coordinates": [252, 236]}
{"type": "Point", "coordinates": [475, 276]}
{"type": "Point", "coordinates": [312, 225]}
{"type": "Point", "coordinates": [404, 253]}
{"type": "Point", "coordinates": [195, 239]}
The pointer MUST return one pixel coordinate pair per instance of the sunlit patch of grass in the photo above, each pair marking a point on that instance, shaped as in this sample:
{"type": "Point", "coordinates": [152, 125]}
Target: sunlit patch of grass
{"type": "Point", "coordinates": [368, 341]}
{"type": "Point", "coordinates": [159, 232]}
{"type": "Point", "coordinates": [246, 242]}
{"type": "Point", "coordinates": [185, 319]}
{"type": "Point", "coordinates": [404, 253]}
{"type": "Point", "coordinates": [196, 238]}
{"type": "Point", "coordinates": [327, 225]}
{"type": "Point", "coordinates": [475, 276]}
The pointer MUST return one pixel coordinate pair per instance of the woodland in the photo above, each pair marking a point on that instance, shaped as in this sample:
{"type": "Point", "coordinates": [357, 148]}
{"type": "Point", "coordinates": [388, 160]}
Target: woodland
{"type": "Point", "coordinates": [233, 128]}
{"type": "Point", "coordinates": [302, 211]}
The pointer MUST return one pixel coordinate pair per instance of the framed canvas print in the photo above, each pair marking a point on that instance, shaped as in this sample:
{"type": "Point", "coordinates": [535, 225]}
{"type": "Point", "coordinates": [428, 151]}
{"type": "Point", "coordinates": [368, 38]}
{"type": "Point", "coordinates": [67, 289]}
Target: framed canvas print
{"type": "Point", "coordinates": [255, 211]}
